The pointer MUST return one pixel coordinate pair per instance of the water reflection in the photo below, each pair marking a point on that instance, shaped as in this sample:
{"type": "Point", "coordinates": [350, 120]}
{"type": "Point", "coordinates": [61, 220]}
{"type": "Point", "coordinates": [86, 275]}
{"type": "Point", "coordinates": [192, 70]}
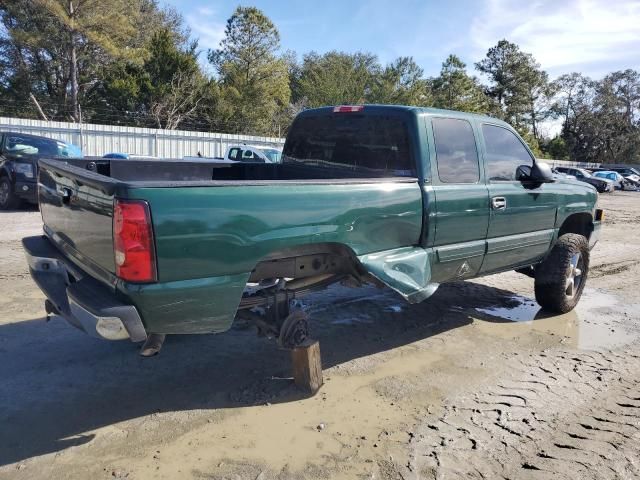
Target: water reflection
{"type": "Point", "coordinates": [598, 322]}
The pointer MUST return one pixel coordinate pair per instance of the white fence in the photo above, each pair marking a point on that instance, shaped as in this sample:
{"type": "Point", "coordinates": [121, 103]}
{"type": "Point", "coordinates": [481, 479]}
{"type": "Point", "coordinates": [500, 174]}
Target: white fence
{"type": "Point", "coordinates": [96, 140]}
{"type": "Point", "coordinates": [568, 163]}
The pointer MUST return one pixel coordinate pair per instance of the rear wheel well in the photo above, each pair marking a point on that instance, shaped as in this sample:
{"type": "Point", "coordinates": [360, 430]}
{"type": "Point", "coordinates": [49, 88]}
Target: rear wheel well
{"type": "Point", "coordinates": [307, 261]}
{"type": "Point", "coordinates": [580, 223]}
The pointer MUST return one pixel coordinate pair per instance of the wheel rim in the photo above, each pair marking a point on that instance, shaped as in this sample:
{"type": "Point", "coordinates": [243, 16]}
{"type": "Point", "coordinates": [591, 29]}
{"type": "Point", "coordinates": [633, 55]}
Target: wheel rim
{"type": "Point", "coordinates": [4, 193]}
{"type": "Point", "coordinates": [574, 276]}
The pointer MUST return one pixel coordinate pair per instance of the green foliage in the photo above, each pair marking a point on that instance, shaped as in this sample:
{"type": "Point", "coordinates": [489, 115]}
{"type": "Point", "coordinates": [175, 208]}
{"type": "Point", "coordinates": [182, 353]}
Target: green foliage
{"type": "Point", "coordinates": [518, 85]}
{"type": "Point", "coordinates": [532, 142]}
{"type": "Point", "coordinates": [601, 119]}
{"type": "Point", "coordinates": [254, 82]}
{"type": "Point", "coordinates": [400, 83]}
{"type": "Point", "coordinates": [556, 149]}
{"type": "Point", "coordinates": [132, 62]}
{"type": "Point", "coordinates": [58, 50]}
{"type": "Point", "coordinates": [164, 91]}
{"type": "Point", "coordinates": [454, 89]}
{"type": "Point", "coordinates": [336, 78]}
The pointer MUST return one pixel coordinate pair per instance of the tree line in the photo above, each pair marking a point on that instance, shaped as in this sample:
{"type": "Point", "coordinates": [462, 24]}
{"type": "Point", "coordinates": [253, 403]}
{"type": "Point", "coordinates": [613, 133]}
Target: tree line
{"type": "Point", "coordinates": [132, 62]}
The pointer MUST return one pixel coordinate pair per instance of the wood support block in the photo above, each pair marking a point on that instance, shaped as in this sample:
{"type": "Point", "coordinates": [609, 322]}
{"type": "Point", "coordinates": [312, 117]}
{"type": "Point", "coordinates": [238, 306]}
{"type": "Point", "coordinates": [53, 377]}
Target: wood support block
{"type": "Point", "coordinates": [307, 366]}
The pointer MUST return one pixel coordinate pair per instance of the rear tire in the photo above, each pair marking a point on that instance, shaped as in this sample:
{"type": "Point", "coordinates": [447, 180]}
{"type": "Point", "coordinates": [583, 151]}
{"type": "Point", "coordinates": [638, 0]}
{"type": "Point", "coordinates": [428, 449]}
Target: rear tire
{"type": "Point", "coordinates": [561, 278]}
{"type": "Point", "coordinates": [8, 199]}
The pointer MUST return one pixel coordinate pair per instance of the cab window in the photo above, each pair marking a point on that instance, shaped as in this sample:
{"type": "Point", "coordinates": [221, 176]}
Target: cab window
{"type": "Point", "coordinates": [235, 154]}
{"type": "Point", "coordinates": [248, 155]}
{"type": "Point", "coordinates": [505, 153]}
{"type": "Point", "coordinates": [456, 154]}
{"type": "Point", "coordinates": [350, 146]}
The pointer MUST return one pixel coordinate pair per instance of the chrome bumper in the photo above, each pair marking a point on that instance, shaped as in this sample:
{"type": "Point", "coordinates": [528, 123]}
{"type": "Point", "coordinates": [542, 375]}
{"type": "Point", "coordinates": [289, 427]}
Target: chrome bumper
{"type": "Point", "coordinates": [81, 300]}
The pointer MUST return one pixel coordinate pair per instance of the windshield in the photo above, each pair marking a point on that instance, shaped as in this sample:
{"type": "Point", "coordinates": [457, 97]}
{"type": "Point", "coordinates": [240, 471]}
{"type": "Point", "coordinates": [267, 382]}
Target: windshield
{"type": "Point", "coordinates": [43, 147]}
{"type": "Point", "coordinates": [609, 175]}
{"type": "Point", "coordinates": [351, 145]}
{"type": "Point", "coordinates": [274, 156]}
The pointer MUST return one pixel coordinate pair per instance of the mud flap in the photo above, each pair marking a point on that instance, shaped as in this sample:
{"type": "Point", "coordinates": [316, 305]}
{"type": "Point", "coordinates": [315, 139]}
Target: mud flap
{"type": "Point", "coordinates": [406, 270]}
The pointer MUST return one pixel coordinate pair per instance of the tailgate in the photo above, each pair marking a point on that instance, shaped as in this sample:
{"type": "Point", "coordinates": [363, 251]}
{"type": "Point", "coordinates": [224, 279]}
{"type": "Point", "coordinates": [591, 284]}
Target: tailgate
{"type": "Point", "coordinates": [77, 210]}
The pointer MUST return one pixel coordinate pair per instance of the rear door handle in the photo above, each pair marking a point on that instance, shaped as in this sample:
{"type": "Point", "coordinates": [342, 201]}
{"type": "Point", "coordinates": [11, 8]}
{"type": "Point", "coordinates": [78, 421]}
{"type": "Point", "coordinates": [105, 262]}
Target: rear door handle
{"type": "Point", "coordinates": [498, 203]}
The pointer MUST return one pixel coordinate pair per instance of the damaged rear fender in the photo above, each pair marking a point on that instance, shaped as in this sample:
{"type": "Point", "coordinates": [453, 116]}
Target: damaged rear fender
{"type": "Point", "coordinates": [406, 270]}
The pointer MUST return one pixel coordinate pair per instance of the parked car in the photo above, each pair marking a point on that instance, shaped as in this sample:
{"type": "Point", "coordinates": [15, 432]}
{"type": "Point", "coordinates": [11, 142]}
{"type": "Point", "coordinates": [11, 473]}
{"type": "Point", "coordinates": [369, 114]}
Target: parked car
{"type": "Point", "coordinates": [244, 153]}
{"type": "Point", "coordinates": [601, 184]}
{"type": "Point", "coordinates": [619, 182]}
{"type": "Point", "coordinates": [124, 156]}
{"type": "Point", "coordinates": [626, 171]}
{"type": "Point", "coordinates": [631, 174]}
{"type": "Point", "coordinates": [400, 196]}
{"type": "Point", "coordinates": [19, 154]}
{"type": "Point", "coordinates": [561, 174]}
{"type": "Point", "coordinates": [254, 153]}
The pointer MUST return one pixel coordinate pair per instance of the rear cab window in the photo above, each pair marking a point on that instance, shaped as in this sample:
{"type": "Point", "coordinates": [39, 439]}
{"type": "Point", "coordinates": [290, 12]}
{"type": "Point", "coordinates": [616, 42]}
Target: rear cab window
{"type": "Point", "coordinates": [504, 153]}
{"type": "Point", "coordinates": [456, 152]}
{"type": "Point", "coordinates": [351, 145]}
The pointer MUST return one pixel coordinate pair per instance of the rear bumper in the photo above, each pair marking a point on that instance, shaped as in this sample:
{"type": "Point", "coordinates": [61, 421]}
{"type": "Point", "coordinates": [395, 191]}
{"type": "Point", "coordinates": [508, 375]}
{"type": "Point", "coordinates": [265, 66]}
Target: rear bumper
{"type": "Point", "coordinates": [81, 300]}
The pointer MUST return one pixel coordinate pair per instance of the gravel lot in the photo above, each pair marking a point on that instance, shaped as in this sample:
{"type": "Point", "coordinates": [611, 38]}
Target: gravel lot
{"type": "Point", "coordinates": [475, 382]}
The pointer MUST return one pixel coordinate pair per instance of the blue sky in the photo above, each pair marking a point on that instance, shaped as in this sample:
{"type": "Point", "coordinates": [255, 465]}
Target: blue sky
{"type": "Point", "coordinates": [590, 36]}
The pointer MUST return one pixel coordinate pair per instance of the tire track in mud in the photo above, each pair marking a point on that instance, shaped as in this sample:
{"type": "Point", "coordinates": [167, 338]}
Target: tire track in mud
{"type": "Point", "coordinates": [557, 414]}
{"type": "Point", "coordinates": [612, 268]}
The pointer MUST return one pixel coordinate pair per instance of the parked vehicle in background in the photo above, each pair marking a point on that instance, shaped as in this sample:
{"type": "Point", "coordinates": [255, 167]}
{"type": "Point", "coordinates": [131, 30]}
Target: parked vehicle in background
{"type": "Point", "coordinates": [625, 171]}
{"type": "Point", "coordinates": [128, 156]}
{"type": "Point", "coordinates": [618, 180]}
{"type": "Point", "coordinates": [634, 180]}
{"type": "Point", "coordinates": [631, 174]}
{"type": "Point", "coordinates": [124, 156]}
{"type": "Point", "coordinates": [243, 153]}
{"type": "Point", "coordinates": [403, 196]}
{"type": "Point", "coordinates": [19, 154]}
{"type": "Point", "coordinates": [253, 153]}
{"type": "Point", "coordinates": [601, 184]}
{"type": "Point", "coordinates": [562, 174]}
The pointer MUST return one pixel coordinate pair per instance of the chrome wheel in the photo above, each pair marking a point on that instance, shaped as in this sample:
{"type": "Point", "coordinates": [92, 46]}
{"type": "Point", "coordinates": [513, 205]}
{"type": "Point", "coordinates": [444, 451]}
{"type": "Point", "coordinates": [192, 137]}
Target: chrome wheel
{"type": "Point", "coordinates": [574, 275]}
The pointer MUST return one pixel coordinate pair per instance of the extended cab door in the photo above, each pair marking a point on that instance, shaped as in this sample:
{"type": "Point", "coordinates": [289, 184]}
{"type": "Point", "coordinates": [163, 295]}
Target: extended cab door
{"type": "Point", "coordinates": [523, 215]}
{"type": "Point", "coordinates": [461, 197]}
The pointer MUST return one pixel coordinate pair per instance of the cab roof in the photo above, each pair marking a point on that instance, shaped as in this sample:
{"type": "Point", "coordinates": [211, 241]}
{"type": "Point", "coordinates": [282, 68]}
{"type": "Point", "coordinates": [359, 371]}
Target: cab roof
{"type": "Point", "coordinates": [424, 111]}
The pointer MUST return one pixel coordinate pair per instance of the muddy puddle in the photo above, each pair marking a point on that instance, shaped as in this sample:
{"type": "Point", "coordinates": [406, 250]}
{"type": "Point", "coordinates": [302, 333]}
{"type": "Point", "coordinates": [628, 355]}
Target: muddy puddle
{"type": "Point", "coordinates": [582, 328]}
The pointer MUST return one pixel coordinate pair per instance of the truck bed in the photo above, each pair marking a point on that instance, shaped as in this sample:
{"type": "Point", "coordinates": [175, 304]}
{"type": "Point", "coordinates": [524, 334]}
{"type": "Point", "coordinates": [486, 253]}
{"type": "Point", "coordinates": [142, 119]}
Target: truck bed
{"type": "Point", "coordinates": [214, 224]}
{"type": "Point", "coordinates": [174, 172]}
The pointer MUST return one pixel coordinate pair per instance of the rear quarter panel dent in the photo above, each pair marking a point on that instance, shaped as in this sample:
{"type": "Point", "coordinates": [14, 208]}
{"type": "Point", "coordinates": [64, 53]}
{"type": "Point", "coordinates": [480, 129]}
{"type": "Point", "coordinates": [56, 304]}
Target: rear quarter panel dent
{"type": "Point", "coordinates": [205, 232]}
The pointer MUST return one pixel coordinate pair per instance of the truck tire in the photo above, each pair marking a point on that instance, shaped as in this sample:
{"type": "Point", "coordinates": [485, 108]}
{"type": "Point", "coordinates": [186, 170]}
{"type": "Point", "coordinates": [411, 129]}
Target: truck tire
{"type": "Point", "coordinates": [8, 199]}
{"type": "Point", "coordinates": [560, 279]}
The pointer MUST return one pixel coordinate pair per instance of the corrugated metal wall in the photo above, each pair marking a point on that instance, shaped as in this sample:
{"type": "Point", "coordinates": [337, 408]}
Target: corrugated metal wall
{"type": "Point", "coordinates": [96, 140]}
{"type": "Point", "coordinates": [567, 163]}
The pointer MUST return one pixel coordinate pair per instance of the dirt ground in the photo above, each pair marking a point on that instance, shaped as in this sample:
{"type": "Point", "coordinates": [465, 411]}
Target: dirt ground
{"type": "Point", "coordinates": [475, 382]}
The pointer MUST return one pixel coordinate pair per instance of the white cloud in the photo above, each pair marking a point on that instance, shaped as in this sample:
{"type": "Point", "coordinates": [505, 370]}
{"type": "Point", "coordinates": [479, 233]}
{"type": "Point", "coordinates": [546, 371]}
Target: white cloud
{"type": "Point", "coordinates": [206, 27]}
{"type": "Point", "coordinates": [591, 36]}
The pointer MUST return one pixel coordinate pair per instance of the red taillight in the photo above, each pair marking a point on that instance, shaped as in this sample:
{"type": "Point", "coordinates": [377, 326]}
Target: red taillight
{"type": "Point", "coordinates": [348, 108]}
{"type": "Point", "coordinates": [133, 241]}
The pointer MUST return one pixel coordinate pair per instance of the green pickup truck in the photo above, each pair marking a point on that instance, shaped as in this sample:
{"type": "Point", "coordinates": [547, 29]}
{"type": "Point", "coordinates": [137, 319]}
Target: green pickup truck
{"type": "Point", "coordinates": [399, 196]}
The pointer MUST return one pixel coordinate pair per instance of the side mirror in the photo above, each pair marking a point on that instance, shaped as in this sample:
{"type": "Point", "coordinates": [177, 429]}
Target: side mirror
{"type": "Point", "coordinates": [540, 172]}
{"type": "Point", "coordinates": [523, 173]}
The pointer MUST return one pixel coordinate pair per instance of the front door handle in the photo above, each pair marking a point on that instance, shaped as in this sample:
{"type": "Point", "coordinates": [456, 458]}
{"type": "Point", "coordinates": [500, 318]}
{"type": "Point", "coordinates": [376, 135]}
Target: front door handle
{"type": "Point", "coordinates": [498, 203]}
